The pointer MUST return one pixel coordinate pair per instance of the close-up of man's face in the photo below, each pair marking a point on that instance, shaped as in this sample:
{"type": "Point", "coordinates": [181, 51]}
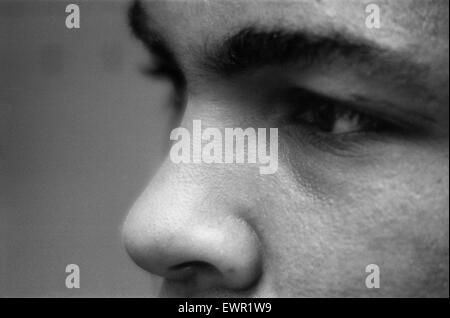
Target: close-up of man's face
{"type": "Point", "coordinates": [362, 165]}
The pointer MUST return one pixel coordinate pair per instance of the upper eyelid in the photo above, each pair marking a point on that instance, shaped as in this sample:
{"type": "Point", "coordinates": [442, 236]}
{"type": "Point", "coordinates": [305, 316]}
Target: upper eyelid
{"type": "Point", "coordinates": [389, 113]}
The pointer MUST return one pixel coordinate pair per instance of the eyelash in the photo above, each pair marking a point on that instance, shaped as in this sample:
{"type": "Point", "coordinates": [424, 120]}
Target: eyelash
{"type": "Point", "coordinates": [326, 117]}
{"type": "Point", "coordinates": [313, 116]}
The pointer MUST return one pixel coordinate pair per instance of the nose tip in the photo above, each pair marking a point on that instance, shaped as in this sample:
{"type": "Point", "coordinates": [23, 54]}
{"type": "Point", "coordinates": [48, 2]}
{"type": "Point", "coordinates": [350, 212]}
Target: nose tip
{"type": "Point", "coordinates": [209, 253]}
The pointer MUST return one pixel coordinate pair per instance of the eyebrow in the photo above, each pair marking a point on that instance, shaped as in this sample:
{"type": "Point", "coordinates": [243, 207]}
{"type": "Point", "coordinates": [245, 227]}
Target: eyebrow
{"type": "Point", "coordinates": [254, 47]}
{"type": "Point", "coordinates": [166, 64]}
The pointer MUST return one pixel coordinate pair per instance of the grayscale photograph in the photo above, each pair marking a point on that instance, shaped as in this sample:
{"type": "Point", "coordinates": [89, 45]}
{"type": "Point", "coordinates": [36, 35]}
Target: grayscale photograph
{"type": "Point", "coordinates": [224, 149]}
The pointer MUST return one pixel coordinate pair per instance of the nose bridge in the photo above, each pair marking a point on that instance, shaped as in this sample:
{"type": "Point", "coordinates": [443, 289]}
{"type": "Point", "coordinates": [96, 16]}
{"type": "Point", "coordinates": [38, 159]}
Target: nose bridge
{"type": "Point", "coordinates": [183, 190]}
{"type": "Point", "coordinates": [183, 219]}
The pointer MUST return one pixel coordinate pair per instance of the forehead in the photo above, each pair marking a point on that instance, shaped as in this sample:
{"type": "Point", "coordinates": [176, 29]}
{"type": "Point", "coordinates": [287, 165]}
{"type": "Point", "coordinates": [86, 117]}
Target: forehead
{"type": "Point", "coordinates": [404, 23]}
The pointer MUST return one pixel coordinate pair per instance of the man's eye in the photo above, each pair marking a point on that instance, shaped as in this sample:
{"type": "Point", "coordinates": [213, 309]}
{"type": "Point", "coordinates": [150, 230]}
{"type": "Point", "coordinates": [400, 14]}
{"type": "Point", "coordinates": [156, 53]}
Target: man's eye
{"type": "Point", "coordinates": [334, 120]}
{"type": "Point", "coordinates": [325, 115]}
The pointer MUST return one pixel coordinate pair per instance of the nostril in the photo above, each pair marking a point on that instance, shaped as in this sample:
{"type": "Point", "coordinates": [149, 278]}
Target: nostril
{"type": "Point", "coordinates": [192, 264]}
{"type": "Point", "coordinates": [188, 270]}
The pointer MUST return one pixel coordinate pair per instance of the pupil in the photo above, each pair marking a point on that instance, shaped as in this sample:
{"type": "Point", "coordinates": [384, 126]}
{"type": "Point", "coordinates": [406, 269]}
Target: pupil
{"type": "Point", "coordinates": [325, 117]}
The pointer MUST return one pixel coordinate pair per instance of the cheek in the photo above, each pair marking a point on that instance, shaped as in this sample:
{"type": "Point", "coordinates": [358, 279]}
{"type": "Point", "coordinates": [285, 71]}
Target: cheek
{"type": "Point", "coordinates": [323, 224]}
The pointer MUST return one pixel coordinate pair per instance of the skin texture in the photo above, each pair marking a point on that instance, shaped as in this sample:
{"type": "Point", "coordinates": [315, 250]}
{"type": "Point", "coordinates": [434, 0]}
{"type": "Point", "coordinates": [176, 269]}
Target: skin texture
{"type": "Point", "coordinates": [310, 229]}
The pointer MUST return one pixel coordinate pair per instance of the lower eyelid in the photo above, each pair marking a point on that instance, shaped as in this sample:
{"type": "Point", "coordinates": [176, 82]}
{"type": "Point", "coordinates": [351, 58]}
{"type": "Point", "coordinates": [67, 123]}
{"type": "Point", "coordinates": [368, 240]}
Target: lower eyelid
{"type": "Point", "coordinates": [342, 145]}
{"type": "Point", "coordinates": [316, 138]}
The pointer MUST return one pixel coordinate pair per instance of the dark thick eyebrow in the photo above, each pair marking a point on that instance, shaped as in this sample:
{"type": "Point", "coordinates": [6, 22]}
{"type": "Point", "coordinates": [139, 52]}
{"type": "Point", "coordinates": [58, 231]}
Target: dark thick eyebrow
{"type": "Point", "coordinates": [255, 47]}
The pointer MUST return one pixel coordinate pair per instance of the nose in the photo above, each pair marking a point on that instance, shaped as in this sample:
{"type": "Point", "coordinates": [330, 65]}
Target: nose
{"type": "Point", "coordinates": [184, 230]}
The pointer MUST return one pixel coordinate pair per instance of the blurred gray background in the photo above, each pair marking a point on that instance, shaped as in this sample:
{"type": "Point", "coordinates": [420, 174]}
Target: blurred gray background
{"type": "Point", "coordinates": [81, 132]}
